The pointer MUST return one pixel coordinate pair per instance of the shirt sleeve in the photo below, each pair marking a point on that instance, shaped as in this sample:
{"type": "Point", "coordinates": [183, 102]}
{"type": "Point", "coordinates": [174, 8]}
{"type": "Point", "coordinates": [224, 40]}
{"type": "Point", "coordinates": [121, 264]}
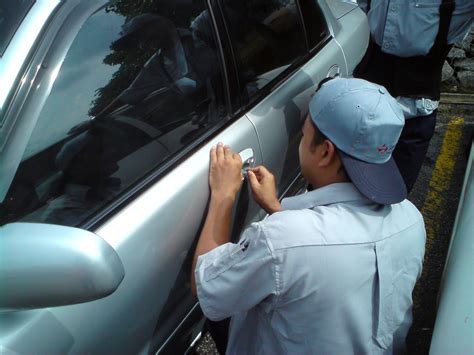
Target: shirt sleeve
{"type": "Point", "coordinates": [233, 278]}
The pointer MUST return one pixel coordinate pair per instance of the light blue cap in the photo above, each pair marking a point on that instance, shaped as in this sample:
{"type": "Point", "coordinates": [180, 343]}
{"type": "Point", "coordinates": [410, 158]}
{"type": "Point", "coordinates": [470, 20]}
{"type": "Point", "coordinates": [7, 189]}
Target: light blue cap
{"type": "Point", "coordinates": [362, 119]}
{"type": "Point", "coordinates": [364, 122]}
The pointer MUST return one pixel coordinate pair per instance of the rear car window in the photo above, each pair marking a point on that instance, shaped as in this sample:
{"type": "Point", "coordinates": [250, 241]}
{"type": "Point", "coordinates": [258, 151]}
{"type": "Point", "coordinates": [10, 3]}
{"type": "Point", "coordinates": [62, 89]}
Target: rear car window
{"type": "Point", "coordinates": [12, 13]}
{"type": "Point", "coordinates": [315, 24]}
{"type": "Point", "coordinates": [267, 38]}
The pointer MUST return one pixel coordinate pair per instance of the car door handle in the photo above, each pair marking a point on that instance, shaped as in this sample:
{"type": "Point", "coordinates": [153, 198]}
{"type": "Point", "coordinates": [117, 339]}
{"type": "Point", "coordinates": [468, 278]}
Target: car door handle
{"type": "Point", "coordinates": [248, 160]}
{"type": "Point", "coordinates": [334, 71]}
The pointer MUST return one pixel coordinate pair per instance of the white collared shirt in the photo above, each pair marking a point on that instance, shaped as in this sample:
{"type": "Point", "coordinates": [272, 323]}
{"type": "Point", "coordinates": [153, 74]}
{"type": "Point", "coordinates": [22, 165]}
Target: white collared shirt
{"type": "Point", "coordinates": [333, 273]}
{"type": "Point", "coordinates": [408, 28]}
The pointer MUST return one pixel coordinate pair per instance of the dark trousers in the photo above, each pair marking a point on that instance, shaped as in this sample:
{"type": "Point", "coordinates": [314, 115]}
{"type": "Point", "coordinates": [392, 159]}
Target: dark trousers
{"type": "Point", "coordinates": [412, 147]}
{"type": "Point", "coordinates": [220, 333]}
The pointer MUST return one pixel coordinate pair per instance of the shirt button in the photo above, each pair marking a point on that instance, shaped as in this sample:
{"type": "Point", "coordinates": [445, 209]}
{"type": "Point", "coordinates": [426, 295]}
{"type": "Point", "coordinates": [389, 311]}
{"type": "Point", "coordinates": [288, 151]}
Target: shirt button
{"type": "Point", "coordinates": [394, 8]}
{"type": "Point", "coordinates": [386, 45]}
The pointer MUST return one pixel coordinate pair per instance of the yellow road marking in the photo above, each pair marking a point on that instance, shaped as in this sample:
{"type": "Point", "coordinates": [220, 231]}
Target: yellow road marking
{"type": "Point", "coordinates": [435, 202]}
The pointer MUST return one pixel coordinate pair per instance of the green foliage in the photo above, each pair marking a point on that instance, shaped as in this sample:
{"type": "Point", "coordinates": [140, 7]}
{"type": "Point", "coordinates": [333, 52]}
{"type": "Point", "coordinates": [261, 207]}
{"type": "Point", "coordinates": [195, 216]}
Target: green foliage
{"type": "Point", "coordinates": [130, 9]}
{"type": "Point", "coordinates": [132, 60]}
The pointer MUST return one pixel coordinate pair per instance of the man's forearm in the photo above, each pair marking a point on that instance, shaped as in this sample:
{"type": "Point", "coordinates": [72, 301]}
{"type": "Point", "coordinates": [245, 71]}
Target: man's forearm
{"type": "Point", "coordinates": [216, 230]}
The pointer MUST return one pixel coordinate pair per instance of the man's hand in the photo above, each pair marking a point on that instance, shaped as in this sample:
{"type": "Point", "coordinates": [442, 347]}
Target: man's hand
{"type": "Point", "coordinates": [225, 173]}
{"type": "Point", "coordinates": [225, 179]}
{"type": "Point", "coordinates": [263, 186]}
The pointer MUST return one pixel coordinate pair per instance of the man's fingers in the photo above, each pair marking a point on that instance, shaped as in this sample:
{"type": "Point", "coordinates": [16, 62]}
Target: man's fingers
{"type": "Point", "coordinates": [213, 155]}
{"type": "Point", "coordinates": [255, 170]}
{"type": "Point", "coordinates": [237, 156]}
{"type": "Point", "coordinates": [252, 178]}
{"type": "Point", "coordinates": [263, 170]}
{"type": "Point", "coordinates": [220, 151]}
{"type": "Point", "coordinates": [227, 152]}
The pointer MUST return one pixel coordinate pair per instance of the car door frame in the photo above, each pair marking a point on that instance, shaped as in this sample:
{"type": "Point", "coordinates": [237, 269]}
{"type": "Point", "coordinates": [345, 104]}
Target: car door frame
{"type": "Point", "coordinates": [191, 328]}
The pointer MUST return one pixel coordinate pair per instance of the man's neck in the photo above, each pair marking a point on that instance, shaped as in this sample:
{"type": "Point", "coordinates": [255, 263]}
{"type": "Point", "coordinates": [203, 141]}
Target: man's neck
{"type": "Point", "coordinates": [317, 183]}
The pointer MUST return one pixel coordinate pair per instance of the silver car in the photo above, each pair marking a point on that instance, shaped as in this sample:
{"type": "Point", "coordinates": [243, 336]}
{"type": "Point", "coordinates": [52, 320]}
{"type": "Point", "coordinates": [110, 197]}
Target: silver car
{"type": "Point", "coordinates": [108, 110]}
{"type": "Point", "coordinates": [454, 328]}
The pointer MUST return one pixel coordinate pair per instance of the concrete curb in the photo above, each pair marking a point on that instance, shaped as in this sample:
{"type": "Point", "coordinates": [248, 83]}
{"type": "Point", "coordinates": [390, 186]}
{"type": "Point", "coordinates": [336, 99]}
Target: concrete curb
{"type": "Point", "coordinates": [449, 98]}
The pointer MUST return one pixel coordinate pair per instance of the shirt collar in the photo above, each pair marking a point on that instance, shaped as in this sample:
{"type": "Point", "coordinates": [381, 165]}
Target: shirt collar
{"type": "Point", "coordinates": [326, 195]}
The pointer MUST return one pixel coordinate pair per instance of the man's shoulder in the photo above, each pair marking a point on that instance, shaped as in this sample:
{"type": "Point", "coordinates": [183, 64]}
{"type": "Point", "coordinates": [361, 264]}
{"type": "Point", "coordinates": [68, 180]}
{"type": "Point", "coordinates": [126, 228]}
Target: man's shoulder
{"type": "Point", "coordinates": [285, 221]}
{"type": "Point", "coordinates": [294, 228]}
{"type": "Point", "coordinates": [403, 217]}
{"type": "Point", "coordinates": [407, 213]}
{"type": "Point", "coordinates": [339, 224]}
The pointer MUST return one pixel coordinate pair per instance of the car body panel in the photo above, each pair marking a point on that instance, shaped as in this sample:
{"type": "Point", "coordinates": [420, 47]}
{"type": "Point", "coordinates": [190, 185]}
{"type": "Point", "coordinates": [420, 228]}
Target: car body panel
{"type": "Point", "coordinates": [156, 251]}
{"type": "Point", "coordinates": [454, 328]}
{"type": "Point", "coordinates": [154, 228]}
{"type": "Point", "coordinates": [340, 8]}
{"type": "Point", "coordinates": [349, 27]}
{"type": "Point", "coordinates": [353, 37]}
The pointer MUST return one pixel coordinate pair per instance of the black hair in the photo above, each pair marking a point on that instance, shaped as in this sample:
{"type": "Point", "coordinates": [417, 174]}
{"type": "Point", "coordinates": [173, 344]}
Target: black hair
{"type": "Point", "coordinates": [324, 81]}
{"type": "Point", "coordinates": [318, 137]}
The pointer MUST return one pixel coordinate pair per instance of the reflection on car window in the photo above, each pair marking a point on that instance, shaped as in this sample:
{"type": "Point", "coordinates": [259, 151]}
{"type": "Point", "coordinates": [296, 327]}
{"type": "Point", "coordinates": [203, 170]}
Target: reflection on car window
{"type": "Point", "coordinates": [267, 37]}
{"type": "Point", "coordinates": [314, 22]}
{"type": "Point", "coordinates": [134, 89]}
{"type": "Point", "coordinates": [12, 13]}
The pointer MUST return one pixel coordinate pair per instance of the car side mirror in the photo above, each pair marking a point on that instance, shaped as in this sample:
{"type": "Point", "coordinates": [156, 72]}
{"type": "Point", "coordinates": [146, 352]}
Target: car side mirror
{"type": "Point", "coordinates": [44, 265]}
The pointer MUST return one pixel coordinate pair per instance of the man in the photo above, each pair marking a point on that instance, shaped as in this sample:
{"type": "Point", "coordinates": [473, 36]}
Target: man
{"type": "Point", "coordinates": [330, 271]}
{"type": "Point", "coordinates": [409, 44]}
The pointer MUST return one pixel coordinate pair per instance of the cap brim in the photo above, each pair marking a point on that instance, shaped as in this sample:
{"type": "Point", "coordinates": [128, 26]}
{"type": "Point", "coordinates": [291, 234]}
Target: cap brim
{"type": "Point", "coordinates": [381, 183]}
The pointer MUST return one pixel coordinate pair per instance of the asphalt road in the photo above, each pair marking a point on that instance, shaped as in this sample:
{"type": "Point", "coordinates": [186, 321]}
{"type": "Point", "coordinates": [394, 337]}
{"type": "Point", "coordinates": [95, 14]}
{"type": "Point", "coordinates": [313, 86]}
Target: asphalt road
{"type": "Point", "coordinates": [436, 194]}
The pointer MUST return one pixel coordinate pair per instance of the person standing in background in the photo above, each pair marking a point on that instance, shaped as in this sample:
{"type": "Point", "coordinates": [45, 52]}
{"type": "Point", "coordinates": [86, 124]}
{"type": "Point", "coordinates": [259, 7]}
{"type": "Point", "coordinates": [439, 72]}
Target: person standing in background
{"type": "Point", "coordinates": [410, 40]}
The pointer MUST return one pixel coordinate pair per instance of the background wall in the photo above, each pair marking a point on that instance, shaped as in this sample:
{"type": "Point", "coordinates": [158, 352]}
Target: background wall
{"type": "Point", "coordinates": [458, 70]}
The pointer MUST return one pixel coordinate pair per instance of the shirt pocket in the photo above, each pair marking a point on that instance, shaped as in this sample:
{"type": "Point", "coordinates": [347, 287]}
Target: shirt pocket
{"type": "Point", "coordinates": [226, 260]}
{"type": "Point", "coordinates": [432, 4]}
{"type": "Point", "coordinates": [427, 4]}
{"type": "Point", "coordinates": [416, 32]}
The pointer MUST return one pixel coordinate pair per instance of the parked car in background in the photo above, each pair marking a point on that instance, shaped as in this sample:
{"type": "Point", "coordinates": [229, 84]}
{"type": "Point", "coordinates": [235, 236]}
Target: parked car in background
{"type": "Point", "coordinates": [108, 110]}
{"type": "Point", "coordinates": [454, 328]}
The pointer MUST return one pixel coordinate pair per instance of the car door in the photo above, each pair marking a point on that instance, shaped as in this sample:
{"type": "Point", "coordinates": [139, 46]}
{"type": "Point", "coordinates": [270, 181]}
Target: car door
{"type": "Point", "coordinates": [113, 136]}
{"type": "Point", "coordinates": [283, 49]}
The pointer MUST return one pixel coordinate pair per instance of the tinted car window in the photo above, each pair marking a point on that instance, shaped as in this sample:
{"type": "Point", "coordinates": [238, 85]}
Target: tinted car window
{"type": "Point", "coordinates": [12, 13]}
{"type": "Point", "coordinates": [315, 24]}
{"type": "Point", "coordinates": [267, 38]}
{"type": "Point", "coordinates": [135, 88]}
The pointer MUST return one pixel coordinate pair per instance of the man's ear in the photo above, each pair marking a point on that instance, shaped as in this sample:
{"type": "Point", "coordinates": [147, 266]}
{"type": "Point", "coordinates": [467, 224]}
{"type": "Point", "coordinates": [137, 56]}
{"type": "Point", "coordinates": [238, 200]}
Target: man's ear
{"type": "Point", "coordinates": [327, 153]}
